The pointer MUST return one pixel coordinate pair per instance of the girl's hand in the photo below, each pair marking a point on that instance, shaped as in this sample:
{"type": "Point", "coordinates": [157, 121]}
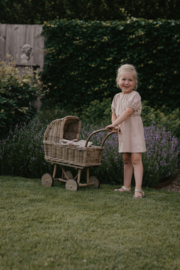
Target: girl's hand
{"type": "Point", "coordinates": [113, 128]}
{"type": "Point", "coordinates": [118, 130]}
{"type": "Point", "coordinates": [110, 127]}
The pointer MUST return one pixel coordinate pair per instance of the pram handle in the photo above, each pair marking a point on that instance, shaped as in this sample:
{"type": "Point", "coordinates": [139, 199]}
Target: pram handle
{"type": "Point", "coordinates": [99, 130]}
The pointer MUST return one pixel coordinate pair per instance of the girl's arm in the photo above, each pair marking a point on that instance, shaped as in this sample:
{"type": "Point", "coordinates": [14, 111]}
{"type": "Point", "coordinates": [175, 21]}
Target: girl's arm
{"type": "Point", "coordinates": [113, 118]}
{"type": "Point", "coordinates": [121, 118]}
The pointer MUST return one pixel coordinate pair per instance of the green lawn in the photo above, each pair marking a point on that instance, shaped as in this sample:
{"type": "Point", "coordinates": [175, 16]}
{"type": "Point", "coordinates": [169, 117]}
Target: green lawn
{"type": "Point", "coordinates": [51, 228]}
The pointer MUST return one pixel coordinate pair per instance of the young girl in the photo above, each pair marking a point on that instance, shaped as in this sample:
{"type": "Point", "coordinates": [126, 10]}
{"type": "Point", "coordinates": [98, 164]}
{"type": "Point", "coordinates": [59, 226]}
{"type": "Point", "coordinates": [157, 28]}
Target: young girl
{"type": "Point", "coordinates": [126, 111]}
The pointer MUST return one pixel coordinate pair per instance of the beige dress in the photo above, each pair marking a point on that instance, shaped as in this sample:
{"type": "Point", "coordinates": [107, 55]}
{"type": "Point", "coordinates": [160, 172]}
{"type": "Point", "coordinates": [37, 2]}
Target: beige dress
{"type": "Point", "coordinates": [132, 138]}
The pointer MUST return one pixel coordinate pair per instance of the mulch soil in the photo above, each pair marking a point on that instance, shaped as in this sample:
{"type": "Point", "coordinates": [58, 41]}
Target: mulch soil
{"type": "Point", "coordinates": [172, 184]}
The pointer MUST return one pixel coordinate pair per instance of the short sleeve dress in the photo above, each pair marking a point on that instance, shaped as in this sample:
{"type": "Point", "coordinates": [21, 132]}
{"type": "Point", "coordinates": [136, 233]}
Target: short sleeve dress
{"type": "Point", "coordinates": [131, 139]}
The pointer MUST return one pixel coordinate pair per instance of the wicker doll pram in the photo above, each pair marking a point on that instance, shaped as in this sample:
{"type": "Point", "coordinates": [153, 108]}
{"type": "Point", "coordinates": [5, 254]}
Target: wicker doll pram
{"type": "Point", "coordinates": [56, 153]}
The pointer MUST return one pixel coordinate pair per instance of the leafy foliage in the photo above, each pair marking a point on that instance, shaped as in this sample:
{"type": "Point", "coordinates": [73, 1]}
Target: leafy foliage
{"type": "Point", "coordinates": [153, 9]}
{"type": "Point", "coordinates": [159, 162]}
{"type": "Point", "coordinates": [22, 153]}
{"type": "Point", "coordinates": [29, 12]}
{"type": "Point", "coordinates": [17, 94]}
{"type": "Point", "coordinates": [163, 117]}
{"type": "Point", "coordinates": [82, 59]}
{"type": "Point", "coordinates": [97, 111]}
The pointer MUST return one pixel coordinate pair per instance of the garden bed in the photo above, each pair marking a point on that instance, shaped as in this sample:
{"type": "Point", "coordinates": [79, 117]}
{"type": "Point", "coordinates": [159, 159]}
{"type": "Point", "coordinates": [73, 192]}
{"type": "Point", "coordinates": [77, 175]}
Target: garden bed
{"type": "Point", "coordinates": [172, 184]}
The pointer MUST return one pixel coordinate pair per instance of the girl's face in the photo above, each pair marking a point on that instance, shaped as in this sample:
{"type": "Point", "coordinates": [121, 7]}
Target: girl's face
{"type": "Point", "coordinates": [127, 82]}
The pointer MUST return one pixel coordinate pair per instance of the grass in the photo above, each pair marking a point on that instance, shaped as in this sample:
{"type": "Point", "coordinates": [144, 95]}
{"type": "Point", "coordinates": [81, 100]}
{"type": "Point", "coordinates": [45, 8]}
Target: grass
{"type": "Point", "coordinates": [51, 228]}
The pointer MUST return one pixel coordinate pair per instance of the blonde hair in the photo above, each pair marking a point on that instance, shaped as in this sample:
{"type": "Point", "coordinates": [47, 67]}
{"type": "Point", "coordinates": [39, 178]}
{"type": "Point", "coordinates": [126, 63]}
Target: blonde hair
{"type": "Point", "coordinates": [129, 68]}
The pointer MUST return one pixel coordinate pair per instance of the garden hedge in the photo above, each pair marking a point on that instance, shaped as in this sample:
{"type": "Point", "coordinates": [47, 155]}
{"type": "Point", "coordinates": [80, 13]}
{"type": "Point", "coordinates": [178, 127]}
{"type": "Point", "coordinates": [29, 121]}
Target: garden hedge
{"type": "Point", "coordinates": [31, 12]}
{"type": "Point", "coordinates": [83, 57]}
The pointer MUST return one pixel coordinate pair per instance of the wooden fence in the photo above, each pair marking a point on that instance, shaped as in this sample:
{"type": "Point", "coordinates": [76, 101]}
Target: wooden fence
{"type": "Point", "coordinates": [14, 36]}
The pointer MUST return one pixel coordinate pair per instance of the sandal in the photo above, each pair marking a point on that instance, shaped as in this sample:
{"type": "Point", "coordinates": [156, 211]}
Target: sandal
{"type": "Point", "coordinates": [125, 189]}
{"type": "Point", "coordinates": [140, 196]}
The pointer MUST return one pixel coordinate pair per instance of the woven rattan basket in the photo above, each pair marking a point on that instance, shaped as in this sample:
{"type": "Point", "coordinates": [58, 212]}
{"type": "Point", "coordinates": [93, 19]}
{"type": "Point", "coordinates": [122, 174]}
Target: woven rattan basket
{"type": "Point", "coordinates": [69, 128]}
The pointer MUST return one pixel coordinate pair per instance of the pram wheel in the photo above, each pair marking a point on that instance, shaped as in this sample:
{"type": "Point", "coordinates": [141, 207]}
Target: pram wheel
{"type": "Point", "coordinates": [71, 184]}
{"type": "Point", "coordinates": [47, 180]}
{"type": "Point", "coordinates": [95, 181]}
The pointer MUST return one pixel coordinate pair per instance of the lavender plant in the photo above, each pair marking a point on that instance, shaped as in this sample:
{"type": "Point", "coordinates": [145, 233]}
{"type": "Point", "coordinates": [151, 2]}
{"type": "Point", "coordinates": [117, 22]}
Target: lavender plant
{"type": "Point", "coordinates": [111, 169]}
{"type": "Point", "coordinates": [160, 160]}
{"type": "Point", "coordinates": [22, 153]}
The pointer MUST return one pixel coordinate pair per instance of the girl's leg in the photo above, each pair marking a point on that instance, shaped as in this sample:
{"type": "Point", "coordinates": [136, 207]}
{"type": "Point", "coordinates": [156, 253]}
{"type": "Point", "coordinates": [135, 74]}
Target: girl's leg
{"type": "Point", "coordinates": [138, 171]}
{"type": "Point", "coordinates": [128, 170]}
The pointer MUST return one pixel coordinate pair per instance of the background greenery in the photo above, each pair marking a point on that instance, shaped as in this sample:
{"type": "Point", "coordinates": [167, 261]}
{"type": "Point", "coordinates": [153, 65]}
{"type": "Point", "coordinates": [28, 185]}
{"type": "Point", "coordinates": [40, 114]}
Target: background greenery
{"type": "Point", "coordinates": [83, 57]}
{"type": "Point", "coordinates": [22, 152]}
{"type": "Point", "coordinates": [18, 91]}
{"type": "Point", "coordinates": [50, 228]}
{"type": "Point", "coordinates": [100, 111]}
{"type": "Point", "coordinates": [31, 12]}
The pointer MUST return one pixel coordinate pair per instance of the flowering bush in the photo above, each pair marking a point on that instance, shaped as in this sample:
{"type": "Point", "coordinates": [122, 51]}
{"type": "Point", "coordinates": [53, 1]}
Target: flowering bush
{"type": "Point", "coordinates": [161, 158]}
{"type": "Point", "coordinates": [22, 153]}
{"type": "Point", "coordinates": [18, 90]}
{"type": "Point", "coordinates": [111, 169]}
{"type": "Point", "coordinates": [159, 162]}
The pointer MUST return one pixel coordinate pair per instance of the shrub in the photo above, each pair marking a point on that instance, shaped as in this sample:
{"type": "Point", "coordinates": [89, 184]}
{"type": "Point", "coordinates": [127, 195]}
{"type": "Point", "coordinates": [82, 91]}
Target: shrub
{"type": "Point", "coordinates": [163, 117]}
{"type": "Point", "coordinates": [98, 112]}
{"type": "Point", "coordinates": [22, 154]}
{"type": "Point", "coordinates": [17, 94]}
{"type": "Point", "coordinates": [48, 114]}
{"type": "Point", "coordinates": [159, 162]}
{"type": "Point", "coordinates": [31, 13]}
{"type": "Point", "coordinates": [82, 59]}
{"type": "Point", "coordinates": [153, 9]}
{"type": "Point", "coordinates": [161, 158]}
{"type": "Point", "coordinates": [28, 12]}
